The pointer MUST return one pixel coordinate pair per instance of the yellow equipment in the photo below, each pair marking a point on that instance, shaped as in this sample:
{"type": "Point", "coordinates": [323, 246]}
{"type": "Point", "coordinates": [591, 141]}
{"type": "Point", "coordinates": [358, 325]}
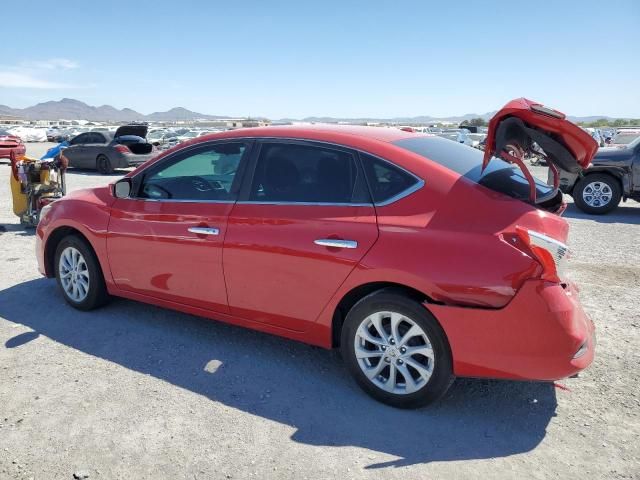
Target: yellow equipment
{"type": "Point", "coordinates": [34, 184]}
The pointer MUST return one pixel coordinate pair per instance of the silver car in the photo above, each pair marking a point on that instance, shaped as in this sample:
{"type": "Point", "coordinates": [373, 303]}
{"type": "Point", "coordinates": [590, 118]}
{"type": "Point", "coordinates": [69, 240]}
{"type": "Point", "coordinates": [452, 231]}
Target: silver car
{"type": "Point", "coordinates": [106, 151]}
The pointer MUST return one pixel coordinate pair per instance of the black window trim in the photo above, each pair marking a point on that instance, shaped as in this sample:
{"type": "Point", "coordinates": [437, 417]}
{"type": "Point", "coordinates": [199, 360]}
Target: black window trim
{"type": "Point", "coordinates": [137, 180]}
{"type": "Point", "coordinates": [245, 191]}
{"type": "Point", "coordinates": [248, 166]}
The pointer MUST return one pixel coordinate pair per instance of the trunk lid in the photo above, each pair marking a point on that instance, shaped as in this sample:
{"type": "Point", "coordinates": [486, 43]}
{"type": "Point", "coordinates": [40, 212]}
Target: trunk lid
{"type": "Point", "coordinates": [520, 123]}
{"type": "Point", "coordinates": [137, 130]}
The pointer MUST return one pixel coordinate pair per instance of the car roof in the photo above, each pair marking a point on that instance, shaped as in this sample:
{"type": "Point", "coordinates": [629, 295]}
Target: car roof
{"type": "Point", "coordinates": [314, 131]}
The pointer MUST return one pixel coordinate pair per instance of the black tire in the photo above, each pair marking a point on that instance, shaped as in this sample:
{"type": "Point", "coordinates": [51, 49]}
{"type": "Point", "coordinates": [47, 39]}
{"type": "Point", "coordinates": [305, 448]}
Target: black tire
{"type": "Point", "coordinates": [393, 300]}
{"type": "Point", "coordinates": [103, 165]}
{"type": "Point", "coordinates": [96, 294]}
{"type": "Point", "coordinates": [586, 183]}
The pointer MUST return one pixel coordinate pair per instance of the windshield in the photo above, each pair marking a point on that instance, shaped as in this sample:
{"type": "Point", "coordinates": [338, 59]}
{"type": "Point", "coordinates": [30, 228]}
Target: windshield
{"type": "Point", "coordinates": [499, 175]}
{"type": "Point", "coordinates": [625, 138]}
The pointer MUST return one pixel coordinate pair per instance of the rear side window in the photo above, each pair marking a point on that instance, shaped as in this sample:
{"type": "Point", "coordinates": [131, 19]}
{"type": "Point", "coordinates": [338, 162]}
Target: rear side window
{"type": "Point", "coordinates": [96, 138]}
{"type": "Point", "coordinates": [386, 180]}
{"type": "Point", "coordinates": [499, 175]}
{"type": "Point", "coordinates": [306, 174]}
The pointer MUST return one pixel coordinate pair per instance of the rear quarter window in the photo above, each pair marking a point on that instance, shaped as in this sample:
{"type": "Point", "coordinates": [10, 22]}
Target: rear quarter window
{"type": "Point", "coordinates": [386, 180]}
{"type": "Point", "coordinates": [499, 175]}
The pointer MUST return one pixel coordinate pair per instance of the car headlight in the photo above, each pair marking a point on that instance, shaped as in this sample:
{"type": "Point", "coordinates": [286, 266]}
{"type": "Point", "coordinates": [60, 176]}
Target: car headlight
{"type": "Point", "coordinates": [44, 211]}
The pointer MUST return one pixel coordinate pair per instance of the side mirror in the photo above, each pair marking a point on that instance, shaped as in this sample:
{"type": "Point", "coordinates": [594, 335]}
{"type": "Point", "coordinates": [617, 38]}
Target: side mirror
{"type": "Point", "coordinates": [122, 188]}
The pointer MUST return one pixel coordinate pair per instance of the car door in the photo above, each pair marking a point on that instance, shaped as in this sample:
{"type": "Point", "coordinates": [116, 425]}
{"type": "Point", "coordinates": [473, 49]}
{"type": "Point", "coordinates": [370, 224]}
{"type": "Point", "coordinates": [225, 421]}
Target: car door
{"type": "Point", "coordinates": [303, 222]}
{"type": "Point", "coordinates": [76, 150]}
{"type": "Point", "coordinates": [94, 146]}
{"type": "Point", "coordinates": [165, 241]}
{"type": "Point", "coordinates": [635, 170]}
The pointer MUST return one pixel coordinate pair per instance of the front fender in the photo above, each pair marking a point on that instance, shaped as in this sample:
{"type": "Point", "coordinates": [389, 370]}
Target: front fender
{"type": "Point", "coordinates": [622, 174]}
{"type": "Point", "coordinates": [87, 213]}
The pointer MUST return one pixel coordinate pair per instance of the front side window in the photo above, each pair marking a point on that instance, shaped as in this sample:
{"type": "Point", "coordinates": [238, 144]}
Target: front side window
{"type": "Point", "coordinates": [80, 139]}
{"type": "Point", "coordinates": [208, 173]}
{"type": "Point", "coordinates": [386, 181]}
{"type": "Point", "coordinates": [306, 174]}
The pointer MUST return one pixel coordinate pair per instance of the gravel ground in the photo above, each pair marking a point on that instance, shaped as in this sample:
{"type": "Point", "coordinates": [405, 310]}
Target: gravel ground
{"type": "Point", "coordinates": [134, 391]}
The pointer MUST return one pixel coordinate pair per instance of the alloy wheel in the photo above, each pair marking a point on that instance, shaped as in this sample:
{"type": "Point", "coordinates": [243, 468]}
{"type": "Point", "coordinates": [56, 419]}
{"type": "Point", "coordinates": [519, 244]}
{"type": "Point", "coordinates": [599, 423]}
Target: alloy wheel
{"type": "Point", "coordinates": [74, 274]}
{"type": "Point", "coordinates": [394, 352]}
{"type": "Point", "coordinates": [597, 194]}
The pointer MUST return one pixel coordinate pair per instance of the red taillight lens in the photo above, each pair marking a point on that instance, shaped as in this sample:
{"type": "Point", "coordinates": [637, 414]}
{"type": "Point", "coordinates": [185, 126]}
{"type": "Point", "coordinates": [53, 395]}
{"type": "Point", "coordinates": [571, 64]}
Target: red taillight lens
{"type": "Point", "coordinates": [122, 149]}
{"type": "Point", "coordinates": [551, 253]}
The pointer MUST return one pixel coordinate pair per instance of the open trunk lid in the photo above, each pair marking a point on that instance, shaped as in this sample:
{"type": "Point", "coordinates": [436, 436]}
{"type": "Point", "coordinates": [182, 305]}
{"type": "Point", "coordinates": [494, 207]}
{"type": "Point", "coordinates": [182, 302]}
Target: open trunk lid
{"type": "Point", "coordinates": [137, 130]}
{"type": "Point", "coordinates": [520, 123]}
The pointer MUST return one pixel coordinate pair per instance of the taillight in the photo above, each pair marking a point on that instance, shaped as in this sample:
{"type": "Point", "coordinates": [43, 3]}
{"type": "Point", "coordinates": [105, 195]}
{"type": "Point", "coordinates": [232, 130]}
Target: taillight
{"type": "Point", "coordinates": [122, 149]}
{"type": "Point", "coordinates": [551, 253]}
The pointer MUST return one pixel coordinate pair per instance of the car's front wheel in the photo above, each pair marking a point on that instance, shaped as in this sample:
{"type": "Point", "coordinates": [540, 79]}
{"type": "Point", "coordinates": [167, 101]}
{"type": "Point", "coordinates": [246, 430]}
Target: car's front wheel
{"type": "Point", "coordinates": [597, 193]}
{"type": "Point", "coordinates": [79, 275]}
{"type": "Point", "coordinates": [396, 350]}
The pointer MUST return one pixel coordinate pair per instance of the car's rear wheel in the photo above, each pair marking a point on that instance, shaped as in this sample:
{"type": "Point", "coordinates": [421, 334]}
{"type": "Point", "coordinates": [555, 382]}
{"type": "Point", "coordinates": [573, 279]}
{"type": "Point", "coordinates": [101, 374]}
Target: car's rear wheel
{"type": "Point", "coordinates": [79, 275]}
{"type": "Point", "coordinates": [597, 193]}
{"type": "Point", "coordinates": [396, 350]}
{"type": "Point", "coordinates": [103, 164]}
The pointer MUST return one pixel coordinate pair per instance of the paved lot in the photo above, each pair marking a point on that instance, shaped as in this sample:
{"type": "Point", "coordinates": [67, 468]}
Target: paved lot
{"type": "Point", "coordinates": [133, 391]}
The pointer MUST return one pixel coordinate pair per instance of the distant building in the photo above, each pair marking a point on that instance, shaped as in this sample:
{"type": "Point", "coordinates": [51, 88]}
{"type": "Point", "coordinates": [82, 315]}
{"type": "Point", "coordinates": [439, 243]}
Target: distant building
{"type": "Point", "coordinates": [10, 120]}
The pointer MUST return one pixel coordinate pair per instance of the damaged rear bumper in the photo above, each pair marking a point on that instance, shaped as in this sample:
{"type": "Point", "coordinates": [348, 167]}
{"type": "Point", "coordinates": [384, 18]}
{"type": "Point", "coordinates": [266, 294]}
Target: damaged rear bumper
{"type": "Point", "coordinates": [542, 334]}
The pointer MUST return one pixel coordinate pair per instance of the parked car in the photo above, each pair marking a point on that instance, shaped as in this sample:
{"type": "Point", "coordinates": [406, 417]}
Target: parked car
{"type": "Point", "coordinates": [163, 138]}
{"type": "Point", "coordinates": [104, 151]}
{"type": "Point", "coordinates": [477, 139]}
{"type": "Point", "coordinates": [155, 137]}
{"type": "Point", "coordinates": [614, 175]}
{"type": "Point", "coordinates": [416, 256]}
{"type": "Point", "coordinates": [186, 136]}
{"type": "Point", "coordinates": [457, 135]}
{"type": "Point", "coordinates": [208, 132]}
{"type": "Point", "coordinates": [10, 143]}
{"type": "Point", "coordinates": [623, 138]}
{"type": "Point", "coordinates": [52, 133]}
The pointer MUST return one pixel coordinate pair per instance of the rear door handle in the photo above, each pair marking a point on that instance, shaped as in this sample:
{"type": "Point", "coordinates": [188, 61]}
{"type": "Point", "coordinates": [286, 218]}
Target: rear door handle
{"type": "Point", "coordinates": [204, 231]}
{"type": "Point", "coordinates": [335, 243]}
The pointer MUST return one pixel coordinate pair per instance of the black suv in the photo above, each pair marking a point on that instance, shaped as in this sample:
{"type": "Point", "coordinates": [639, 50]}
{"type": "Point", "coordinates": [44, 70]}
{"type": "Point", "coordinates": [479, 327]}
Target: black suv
{"type": "Point", "coordinates": [614, 174]}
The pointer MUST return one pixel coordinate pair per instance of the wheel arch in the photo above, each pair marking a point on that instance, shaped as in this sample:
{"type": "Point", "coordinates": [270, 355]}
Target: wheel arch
{"type": "Point", "coordinates": [615, 173]}
{"type": "Point", "coordinates": [54, 240]}
{"type": "Point", "coordinates": [356, 294]}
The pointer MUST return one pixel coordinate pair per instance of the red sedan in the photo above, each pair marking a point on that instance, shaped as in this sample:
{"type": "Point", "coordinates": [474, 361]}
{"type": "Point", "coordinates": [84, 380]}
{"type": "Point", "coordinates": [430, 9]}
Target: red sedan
{"type": "Point", "coordinates": [9, 143]}
{"type": "Point", "coordinates": [415, 256]}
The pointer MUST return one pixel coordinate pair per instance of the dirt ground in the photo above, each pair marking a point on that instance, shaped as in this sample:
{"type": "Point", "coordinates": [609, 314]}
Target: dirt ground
{"type": "Point", "coordinates": [133, 391]}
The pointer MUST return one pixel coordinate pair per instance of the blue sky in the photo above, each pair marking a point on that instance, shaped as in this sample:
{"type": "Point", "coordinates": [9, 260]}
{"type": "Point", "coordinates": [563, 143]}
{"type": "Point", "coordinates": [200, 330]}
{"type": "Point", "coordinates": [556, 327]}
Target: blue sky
{"type": "Point", "coordinates": [343, 58]}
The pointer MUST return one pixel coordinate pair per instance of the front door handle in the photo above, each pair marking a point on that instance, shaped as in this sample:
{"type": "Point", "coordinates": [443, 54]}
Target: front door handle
{"type": "Point", "coordinates": [204, 231]}
{"type": "Point", "coordinates": [335, 243]}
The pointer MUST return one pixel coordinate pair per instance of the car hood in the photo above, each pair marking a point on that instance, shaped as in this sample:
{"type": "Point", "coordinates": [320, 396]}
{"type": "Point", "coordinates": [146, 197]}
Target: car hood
{"type": "Point", "coordinates": [607, 155]}
{"type": "Point", "coordinates": [522, 122]}
{"type": "Point", "coordinates": [137, 130]}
